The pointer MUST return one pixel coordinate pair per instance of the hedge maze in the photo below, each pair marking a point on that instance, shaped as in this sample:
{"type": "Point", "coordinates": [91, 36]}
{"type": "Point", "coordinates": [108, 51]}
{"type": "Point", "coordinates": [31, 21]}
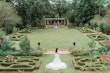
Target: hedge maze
{"type": "Point", "coordinates": [90, 64]}
{"type": "Point", "coordinates": [29, 30]}
{"type": "Point", "coordinates": [17, 37]}
{"type": "Point", "coordinates": [97, 37]}
{"type": "Point", "coordinates": [84, 30]}
{"type": "Point", "coordinates": [25, 63]}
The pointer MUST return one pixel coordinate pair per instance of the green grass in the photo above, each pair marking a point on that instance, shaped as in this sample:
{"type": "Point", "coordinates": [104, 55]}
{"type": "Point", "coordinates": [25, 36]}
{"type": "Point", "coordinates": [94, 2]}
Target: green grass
{"type": "Point", "coordinates": [65, 58]}
{"type": "Point", "coordinates": [61, 38]}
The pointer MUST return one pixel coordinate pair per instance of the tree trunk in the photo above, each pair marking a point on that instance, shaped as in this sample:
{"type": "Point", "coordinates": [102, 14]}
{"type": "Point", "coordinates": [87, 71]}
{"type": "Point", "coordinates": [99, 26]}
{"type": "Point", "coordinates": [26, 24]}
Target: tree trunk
{"type": "Point", "coordinates": [100, 12]}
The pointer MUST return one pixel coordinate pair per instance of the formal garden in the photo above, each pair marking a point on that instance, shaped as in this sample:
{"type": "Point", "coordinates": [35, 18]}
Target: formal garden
{"type": "Point", "coordinates": [38, 34]}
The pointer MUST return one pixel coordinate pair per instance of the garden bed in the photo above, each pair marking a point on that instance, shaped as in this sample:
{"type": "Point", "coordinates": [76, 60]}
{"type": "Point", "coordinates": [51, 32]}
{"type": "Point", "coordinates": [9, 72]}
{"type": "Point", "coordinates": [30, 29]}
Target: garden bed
{"type": "Point", "coordinates": [84, 30]}
{"type": "Point", "coordinates": [85, 63]}
{"type": "Point", "coordinates": [28, 63]}
{"type": "Point", "coordinates": [17, 37]}
{"type": "Point", "coordinates": [97, 37]}
{"type": "Point", "coordinates": [80, 52]}
{"type": "Point", "coordinates": [27, 30]}
{"type": "Point", "coordinates": [102, 43]}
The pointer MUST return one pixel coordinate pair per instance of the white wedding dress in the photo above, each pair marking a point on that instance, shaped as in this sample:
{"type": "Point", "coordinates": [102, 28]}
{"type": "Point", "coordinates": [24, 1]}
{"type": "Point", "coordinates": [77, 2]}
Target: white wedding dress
{"type": "Point", "coordinates": [56, 64]}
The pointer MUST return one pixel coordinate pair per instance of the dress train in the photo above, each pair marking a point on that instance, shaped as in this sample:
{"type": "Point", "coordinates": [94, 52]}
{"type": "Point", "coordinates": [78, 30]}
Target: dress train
{"type": "Point", "coordinates": [56, 64]}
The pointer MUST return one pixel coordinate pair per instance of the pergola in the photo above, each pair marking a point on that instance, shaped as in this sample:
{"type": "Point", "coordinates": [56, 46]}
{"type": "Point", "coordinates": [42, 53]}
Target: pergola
{"type": "Point", "coordinates": [55, 21]}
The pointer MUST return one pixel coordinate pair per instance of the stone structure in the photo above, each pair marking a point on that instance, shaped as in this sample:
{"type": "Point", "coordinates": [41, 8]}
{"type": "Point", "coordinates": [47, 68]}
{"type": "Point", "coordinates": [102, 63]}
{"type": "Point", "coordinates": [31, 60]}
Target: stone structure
{"type": "Point", "coordinates": [10, 58]}
{"type": "Point", "coordinates": [103, 57]}
{"type": "Point", "coordinates": [55, 22]}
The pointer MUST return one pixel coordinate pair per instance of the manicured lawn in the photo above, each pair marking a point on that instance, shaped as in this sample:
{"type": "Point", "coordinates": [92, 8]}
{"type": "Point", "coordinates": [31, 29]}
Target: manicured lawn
{"type": "Point", "coordinates": [65, 58]}
{"type": "Point", "coordinates": [61, 38]}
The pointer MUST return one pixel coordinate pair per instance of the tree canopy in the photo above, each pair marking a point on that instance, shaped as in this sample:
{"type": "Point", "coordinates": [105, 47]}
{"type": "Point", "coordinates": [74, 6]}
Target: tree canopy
{"type": "Point", "coordinates": [33, 11]}
{"type": "Point", "coordinates": [8, 14]}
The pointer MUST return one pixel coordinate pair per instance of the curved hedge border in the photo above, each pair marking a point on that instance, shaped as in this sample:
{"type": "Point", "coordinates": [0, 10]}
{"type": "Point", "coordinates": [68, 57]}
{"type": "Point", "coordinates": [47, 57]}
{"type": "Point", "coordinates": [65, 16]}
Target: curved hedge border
{"type": "Point", "coordinates": [84, 31]}
{"type": "Point", "coordinates": [17, 37]}
{"type": "Point", "coordinates": [27, 30]}
{"type": "Point", "coordinates": [80, 64]}
{"type": "Point", "coordinates": [32, 63]}
{"type": "Point", "coordinates": [92, 36]}
{"type": "Point", "coordinates": [102, 43]}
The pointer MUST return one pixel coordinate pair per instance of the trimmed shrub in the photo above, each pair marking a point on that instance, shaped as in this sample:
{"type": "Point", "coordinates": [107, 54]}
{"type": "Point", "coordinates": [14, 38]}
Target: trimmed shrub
{"type": "Point", "coordinates": [97, 37]}
{"type": "Point", "coordinates": [96, 53]}
{"type": "Point", "coordinates": [77, 67]}
{"type": "Point", "coordinates": [72, 26]}
{"type": "Point", "coordinates": [93, 25]}
{"type": "Point", "coordinates": [2, 34]}
{"type": "Point", "coordinates": [102, 43]}
{"type": "Point", "coordinates": [92, 44]}
{"type": "Point", "coordinates": [7, 64]}
{"type": "Point", "coordinates": [40, 26]}
{"type": "Point", "coordinates": [9, 28]}
{"type": "Point", "coordinates": [36, 53]}
{"type": "Point", "coordinates": [102, 49]}
{"type": "Point", "coordinates": [29, 30]}
{"type": "Point", "coordinates": [20, 66]}
{"type": "Point", "coordinates": [84, 30]}
{"type": "Point", "coordinates": [32, 63]}
{"type": "Point", "coordinates": [101, 26]}
{"type": "Point", "coordinates": [79, 52]}
{"type": "Point", "coordinates": [38, 65]}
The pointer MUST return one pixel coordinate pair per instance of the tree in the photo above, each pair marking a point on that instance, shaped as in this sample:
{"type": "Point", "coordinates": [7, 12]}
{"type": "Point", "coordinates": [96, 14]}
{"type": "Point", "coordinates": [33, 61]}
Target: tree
{"type": "Point", "coordinates": [8, 14]}
{"type": "Point", "coordinates": [7, 44]}
{"type": "Point", "coordinates": [60, 7]}
{"type": "Point", "coordinates": [32, 10]}
{"type": "Point", "coordinates": [74, 4]}
{"type": "Point", "coordinates": [25, 46]}
{"type": "Point", "coordinates": [85, 11]}
{"type": "Point", "coordinates": [100, 4]}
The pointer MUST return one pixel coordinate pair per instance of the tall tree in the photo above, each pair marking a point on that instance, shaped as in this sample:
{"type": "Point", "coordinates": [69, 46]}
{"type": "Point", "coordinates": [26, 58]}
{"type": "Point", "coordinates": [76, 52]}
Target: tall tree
{"type": "Point", "coordinates": [8, 14]}
{"type": "Point", "coordinates": [60, 7]}
{"type": "Point", "coordinates": [85, 10]}
{"type": "Point", "coordinates": [31, 10]}
{"type": "Point", "coordinates": [100, 4]}
{"type": "Point", "coordinates": [74, 4]}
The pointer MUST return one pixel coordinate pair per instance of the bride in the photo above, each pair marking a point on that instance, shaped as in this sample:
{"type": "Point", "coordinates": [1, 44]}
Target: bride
{"type": "Point", "coordinates": [56, 64]}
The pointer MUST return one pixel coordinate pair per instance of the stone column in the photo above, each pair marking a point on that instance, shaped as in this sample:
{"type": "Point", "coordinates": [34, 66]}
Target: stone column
{"type": "Point", "coordinates": [68, 23]}
{"type": "Point", "coordinates": [45, 22]}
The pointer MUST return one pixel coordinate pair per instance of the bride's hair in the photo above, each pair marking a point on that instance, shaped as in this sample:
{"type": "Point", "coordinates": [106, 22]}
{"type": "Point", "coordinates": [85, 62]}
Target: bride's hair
{"type": "Point", "coordinates": [56, 50]}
